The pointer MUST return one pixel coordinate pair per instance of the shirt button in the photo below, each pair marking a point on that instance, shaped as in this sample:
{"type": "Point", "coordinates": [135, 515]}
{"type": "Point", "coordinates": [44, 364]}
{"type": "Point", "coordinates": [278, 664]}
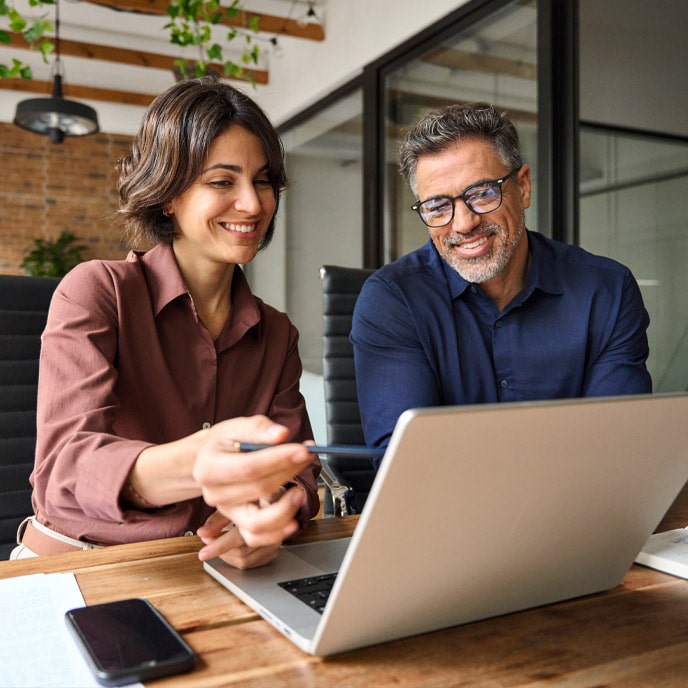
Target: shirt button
{"type": "Point", "coordinates": [504, 384]}
{"type": "Point", "coordinates": [206, 425]}
{"type": "Point", "coordinates": [498, 324]}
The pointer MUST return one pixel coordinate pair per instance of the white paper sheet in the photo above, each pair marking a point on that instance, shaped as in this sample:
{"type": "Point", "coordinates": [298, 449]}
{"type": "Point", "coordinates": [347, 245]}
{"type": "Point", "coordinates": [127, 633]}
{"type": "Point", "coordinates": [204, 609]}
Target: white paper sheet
{"type": "Point", "coordinates": [36, 649]}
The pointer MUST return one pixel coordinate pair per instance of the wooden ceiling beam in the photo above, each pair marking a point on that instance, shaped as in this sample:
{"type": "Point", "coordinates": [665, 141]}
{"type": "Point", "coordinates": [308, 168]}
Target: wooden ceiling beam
{"type": "Point", "coordinates": [45, 88]}
{"type": "Point", "coordinates": [268, 23]}
{"type": "Point", "coordinates": [137, 58]}
{"type": "Point", "coordinates": [455, 59]}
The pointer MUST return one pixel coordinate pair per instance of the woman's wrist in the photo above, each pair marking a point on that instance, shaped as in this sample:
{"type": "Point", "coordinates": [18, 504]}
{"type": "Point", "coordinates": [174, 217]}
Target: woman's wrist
{"type": "Point", "coordinates": [133, 497]}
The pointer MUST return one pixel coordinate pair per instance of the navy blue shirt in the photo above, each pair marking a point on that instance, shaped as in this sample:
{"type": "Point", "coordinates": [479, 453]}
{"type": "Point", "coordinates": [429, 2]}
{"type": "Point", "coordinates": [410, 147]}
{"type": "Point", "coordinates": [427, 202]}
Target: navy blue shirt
{"type": "Point", "coordinates": [424, 336]}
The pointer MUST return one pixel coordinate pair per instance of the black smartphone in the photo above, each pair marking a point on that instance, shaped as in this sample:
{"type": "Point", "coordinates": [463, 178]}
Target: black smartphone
{"type": "Point", "coordinates": [128, 641]}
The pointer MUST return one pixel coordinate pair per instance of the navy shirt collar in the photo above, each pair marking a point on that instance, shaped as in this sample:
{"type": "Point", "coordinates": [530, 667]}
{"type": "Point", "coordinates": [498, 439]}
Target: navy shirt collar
{"type": "Point", "coordinates": [542, 275]}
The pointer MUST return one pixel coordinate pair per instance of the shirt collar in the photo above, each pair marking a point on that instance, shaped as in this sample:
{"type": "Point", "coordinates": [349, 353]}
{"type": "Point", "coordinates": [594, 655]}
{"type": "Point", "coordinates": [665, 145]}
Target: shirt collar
{"type": "Point", "coordinates": [245, 311]}
{"type": "Point", "coordinates": [166, 283]}
{"type": "Point", "coordinates": [542, 274]}
{"type": "Point", "coordinates": [164, 278]}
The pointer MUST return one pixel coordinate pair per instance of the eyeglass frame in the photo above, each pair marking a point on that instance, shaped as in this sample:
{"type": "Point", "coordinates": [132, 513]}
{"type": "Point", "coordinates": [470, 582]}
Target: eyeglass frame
{"type": "Point", "coordinates": [462, 196]}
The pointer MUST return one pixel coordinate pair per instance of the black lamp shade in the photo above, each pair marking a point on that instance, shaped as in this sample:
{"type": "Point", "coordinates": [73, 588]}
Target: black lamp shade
{"type": "Point", "coordinates": [56, 116]}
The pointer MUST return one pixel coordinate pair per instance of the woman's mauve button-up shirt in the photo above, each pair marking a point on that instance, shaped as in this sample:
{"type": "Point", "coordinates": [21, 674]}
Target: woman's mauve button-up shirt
{"type": "Point", "coordinates": [125, 364]}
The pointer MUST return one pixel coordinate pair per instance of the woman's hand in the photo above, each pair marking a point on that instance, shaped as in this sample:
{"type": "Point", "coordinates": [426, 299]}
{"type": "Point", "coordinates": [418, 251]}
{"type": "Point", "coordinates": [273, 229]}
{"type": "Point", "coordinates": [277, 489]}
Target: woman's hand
{"type": "Point", "coordinates": [248, 490]}
{"type": "Point", "coordinates": [222, 539]}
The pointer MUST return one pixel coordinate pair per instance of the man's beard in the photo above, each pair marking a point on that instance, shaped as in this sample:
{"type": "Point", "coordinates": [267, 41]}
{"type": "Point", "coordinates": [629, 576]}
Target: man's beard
{"type": "Point", "coordinates": [486, 267]}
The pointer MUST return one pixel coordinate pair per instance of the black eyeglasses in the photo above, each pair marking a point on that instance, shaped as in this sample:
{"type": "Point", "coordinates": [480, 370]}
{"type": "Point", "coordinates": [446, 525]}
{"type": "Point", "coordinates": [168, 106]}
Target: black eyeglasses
{"type": "Point", "coordinates": [480, 198]}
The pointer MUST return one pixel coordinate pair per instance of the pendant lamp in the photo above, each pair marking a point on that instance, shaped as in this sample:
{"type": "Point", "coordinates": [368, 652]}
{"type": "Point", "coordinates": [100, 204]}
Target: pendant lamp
{"type": "Point", "coordinates": [56, 116]}
{"type": "Point", "coordinates": [310, 17]}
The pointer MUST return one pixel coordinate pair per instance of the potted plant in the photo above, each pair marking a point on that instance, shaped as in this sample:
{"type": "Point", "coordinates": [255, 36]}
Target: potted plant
{"type": "Point", "coordinates": [53, 257]}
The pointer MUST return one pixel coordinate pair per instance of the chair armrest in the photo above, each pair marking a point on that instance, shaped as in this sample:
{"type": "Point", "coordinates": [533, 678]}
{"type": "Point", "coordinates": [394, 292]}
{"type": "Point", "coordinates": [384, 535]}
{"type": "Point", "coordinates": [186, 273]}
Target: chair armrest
{"type": "Point", "coordinates": [342, 494]}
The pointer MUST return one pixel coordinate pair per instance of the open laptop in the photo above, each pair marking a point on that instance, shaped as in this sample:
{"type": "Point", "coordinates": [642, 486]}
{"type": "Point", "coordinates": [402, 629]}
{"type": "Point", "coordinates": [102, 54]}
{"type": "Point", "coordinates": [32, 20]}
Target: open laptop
{"type": "Point", "coordinates": [483, 510]}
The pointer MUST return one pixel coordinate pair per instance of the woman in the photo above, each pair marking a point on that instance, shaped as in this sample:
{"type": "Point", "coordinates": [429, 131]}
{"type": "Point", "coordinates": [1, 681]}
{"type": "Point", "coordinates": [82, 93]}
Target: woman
{"type": "Point", "coordinates": [144, 360]}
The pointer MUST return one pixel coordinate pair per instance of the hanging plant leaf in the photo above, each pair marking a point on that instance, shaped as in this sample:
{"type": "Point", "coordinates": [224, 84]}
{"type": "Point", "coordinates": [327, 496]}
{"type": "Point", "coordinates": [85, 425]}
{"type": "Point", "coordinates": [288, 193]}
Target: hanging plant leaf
{"type": "Point", "coordinates": [33, 31]}
{"type": "Point", "coordinates": [190, 24]}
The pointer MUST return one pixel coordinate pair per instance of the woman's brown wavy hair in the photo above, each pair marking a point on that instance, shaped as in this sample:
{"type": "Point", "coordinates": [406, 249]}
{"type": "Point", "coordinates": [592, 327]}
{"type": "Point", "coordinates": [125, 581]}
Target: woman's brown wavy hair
{"type": "Point", "coordinates": [171, 147]}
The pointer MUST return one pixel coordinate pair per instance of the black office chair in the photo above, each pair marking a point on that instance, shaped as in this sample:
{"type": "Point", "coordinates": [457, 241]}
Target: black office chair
{"type": "Point", "coordinates": [348, 478]}
{"type": "Point", "coordinates": [24, 305]}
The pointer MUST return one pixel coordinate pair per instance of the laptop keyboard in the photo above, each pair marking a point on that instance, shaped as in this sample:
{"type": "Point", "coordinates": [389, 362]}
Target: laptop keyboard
{"type": "Point", "coordinates": [312, 591]}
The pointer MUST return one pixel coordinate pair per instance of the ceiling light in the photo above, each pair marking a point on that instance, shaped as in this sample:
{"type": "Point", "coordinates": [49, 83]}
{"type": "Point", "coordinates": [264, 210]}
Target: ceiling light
{"type": "Point", "coordinates": [56, 116]}
{"type": "Point", "coordinates": [309, 18]}
{"type": "Point", "coordinates": [276, 47]}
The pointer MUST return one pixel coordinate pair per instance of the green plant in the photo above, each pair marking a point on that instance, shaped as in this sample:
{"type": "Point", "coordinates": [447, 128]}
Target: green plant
{"type": "Point", "coordinates": [53, 257]}
{"type": "Point", "coordinates": [191, 23]}
{"type": "Point", "coordinates": [32, 29]}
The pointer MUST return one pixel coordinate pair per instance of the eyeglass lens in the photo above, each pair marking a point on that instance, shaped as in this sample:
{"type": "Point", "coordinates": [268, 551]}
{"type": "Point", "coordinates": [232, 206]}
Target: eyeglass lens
{"type": "Point", "coordinates": [481, 198]}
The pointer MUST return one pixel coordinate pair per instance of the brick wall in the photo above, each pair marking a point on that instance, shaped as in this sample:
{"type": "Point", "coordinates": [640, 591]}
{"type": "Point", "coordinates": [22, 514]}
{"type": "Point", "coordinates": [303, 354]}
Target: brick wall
{"type": "Point", "coordinates": [47, 187]}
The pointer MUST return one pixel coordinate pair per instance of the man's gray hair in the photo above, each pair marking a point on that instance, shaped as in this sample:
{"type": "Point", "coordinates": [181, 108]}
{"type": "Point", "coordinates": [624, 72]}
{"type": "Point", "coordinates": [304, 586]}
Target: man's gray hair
{"type": "Point", "coordinates": [438, 130]}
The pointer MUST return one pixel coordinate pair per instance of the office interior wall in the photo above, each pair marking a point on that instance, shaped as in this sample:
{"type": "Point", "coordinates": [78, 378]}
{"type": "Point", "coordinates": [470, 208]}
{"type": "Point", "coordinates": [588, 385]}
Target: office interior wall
{"type": "Point", "coordinates": [320, 217]}
{"type": "Point", "coordinates": [633, 57]}
{"type": "Point", "coordinates": [313, 230]}
{"type": "Point", "coordinates": [358, 32]}
{"type": "Point", "coordinates": [634, 161]}
{"type": "Point", "coordinates": [334, 238]}
{"type": "Point", "coordinates": [46, 188]}
{"type": "Point", "coordinates": [635, 225]}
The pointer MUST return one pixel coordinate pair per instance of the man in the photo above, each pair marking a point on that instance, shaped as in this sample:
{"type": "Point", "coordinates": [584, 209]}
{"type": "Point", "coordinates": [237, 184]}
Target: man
{"type": "Point", "coordinates": [488, 311]}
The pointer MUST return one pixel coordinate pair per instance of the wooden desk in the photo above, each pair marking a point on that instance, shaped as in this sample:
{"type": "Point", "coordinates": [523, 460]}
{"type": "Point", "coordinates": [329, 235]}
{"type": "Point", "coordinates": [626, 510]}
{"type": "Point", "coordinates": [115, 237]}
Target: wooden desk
{"type": "Point", "coordinates": [635, 635]}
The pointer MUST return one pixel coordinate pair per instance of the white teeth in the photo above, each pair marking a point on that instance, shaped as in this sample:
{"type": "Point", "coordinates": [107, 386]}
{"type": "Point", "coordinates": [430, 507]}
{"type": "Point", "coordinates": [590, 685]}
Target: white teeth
{"type": "Point", "coordinates": [474, 244]}
{"type": "Point", "coordinates": [244, 229]}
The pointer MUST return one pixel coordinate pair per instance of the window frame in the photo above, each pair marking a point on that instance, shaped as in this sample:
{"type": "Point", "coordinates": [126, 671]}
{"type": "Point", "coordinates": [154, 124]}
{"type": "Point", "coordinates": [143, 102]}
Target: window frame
{"type": "Point", "coordinates": [557, 66]}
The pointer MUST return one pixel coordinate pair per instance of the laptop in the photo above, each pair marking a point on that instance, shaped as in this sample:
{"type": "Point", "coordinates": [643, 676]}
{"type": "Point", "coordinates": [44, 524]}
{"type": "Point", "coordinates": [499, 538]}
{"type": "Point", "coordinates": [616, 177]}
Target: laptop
{"type": "Point", "coordinates": [483, 510]}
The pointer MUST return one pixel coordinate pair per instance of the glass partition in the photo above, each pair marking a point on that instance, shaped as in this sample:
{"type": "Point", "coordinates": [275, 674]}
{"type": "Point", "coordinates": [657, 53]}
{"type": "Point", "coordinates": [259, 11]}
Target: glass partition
{"type": "Point", "coordinates": [633, 161]}
{"type": "Point", "coordinates": [633, 207]}
{"type": "Point", "coordinates": [494, 60]}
